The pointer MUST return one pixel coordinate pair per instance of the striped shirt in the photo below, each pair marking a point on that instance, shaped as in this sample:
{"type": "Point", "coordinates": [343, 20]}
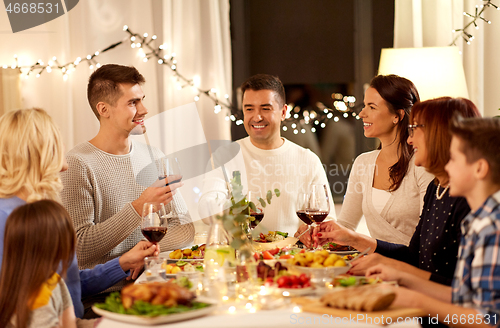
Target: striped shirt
{"type": "Point", "coordinates": [476, 283]}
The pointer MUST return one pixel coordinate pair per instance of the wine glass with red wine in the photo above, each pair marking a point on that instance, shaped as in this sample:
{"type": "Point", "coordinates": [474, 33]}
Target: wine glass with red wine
{"type": "Point", "coordinates": [257, 214]}
{"type": "Point", "coordinates": [170, 170]}
{"type": "Point", "coordinates": [302, 205]}
{"type": "Point", "coordinates": [318, 205]}
{"type": "Point", "coordinates": [154, 222]}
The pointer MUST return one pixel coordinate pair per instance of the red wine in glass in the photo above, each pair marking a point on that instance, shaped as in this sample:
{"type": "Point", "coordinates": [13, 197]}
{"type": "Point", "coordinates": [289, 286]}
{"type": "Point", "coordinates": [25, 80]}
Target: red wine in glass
{"type": "Point", "coordinates": [154, 234]}
{"type": "Point", "coordinates": [303, 217]}
{"type": "Point", "coordinates": [257, 218]}
{"type": "Point", "coordinates": [318, 216]}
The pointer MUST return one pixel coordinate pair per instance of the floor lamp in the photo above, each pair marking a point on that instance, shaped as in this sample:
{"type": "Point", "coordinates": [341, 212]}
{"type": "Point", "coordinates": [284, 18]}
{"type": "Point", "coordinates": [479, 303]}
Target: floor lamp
{"type": "Point", "coordinates": [435, 71]}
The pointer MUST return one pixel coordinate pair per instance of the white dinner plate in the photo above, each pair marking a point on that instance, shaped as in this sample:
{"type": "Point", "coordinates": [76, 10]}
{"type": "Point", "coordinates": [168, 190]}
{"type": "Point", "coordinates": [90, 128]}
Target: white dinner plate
{"type": "Point", "coordinates": [343, 252]}
{"type": "Point", "coordinates": [149, 321]}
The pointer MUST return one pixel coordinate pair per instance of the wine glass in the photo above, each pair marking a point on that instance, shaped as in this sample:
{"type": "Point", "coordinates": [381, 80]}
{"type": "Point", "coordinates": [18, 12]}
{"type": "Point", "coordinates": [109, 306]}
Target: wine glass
{"type": "Point", "coordinates": [154, 224]}
{"type": "Point", "coordinates": [170, 169]}
{"type": "Point", "coordinates": [302, 205]}
{"type": "Point", "coordinates": [319, 204]}
{"type": "Point", "coordinates": [256, 214]}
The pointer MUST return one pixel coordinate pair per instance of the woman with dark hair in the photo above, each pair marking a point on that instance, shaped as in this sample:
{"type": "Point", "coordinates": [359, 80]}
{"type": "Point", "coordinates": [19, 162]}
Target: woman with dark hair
{"type": "Point", "coordinates": [432, 252]}
{"type": "Point", "coordinates": [385, 185]}
{"type": "Point", "coordinates": [33, 294]}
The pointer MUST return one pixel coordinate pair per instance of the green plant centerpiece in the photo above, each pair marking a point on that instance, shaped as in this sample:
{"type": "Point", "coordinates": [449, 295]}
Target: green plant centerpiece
{"type": "Point", "coordinates": [236, 220]}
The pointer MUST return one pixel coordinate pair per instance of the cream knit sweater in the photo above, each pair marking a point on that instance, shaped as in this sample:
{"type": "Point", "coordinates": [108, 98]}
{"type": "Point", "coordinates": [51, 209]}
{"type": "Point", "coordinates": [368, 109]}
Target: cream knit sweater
{"type": "Point", "coordinates": [98, 191]}
{"type": "Point", "coordinates": [397, 221]}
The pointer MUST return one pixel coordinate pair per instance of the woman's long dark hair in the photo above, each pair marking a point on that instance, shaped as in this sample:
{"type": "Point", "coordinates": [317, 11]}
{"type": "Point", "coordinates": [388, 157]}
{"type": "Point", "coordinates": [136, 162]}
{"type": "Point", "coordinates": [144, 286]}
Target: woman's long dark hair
{"type": "Point", "coordinates": [399, 94]}
{"type": "Point", "coordinates": [38, 238]}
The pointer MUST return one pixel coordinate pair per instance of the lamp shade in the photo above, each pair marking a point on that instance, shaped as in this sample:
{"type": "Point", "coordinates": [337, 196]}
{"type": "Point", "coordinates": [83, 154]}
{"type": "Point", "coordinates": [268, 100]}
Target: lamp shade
{"type": "Point", "coordinates": [435, 71]}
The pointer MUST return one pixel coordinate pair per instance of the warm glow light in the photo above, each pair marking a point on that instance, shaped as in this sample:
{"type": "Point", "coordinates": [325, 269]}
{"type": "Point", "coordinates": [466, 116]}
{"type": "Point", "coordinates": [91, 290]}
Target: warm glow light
{"type": "Point", "coordinates": [435, 71]}
{"type": "Point", "coordinates": [225, 298]}
{"type": "Point", "coordinates": [297, 309]}
{"type": "Point", "coordinates": [232, 309]}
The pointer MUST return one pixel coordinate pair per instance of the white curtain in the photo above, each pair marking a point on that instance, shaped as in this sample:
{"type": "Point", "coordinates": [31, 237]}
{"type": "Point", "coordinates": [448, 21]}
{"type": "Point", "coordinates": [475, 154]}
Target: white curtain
{"type": "Point", "coordinates": [196, 30]}
{"type": "Point", "coordinates": [429, 23]}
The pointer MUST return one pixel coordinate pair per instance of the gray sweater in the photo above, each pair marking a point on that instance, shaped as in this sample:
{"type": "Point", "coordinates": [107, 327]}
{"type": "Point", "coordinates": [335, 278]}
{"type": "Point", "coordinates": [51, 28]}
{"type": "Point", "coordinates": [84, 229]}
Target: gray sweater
{"type": "Point", "coordinates": [98, 191]}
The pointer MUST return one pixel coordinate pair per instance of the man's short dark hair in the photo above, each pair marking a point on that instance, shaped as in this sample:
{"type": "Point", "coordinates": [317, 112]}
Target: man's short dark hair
{"type": "Point", "coordinates": [480, 138]}
{"type": "Point", "coordinates": [104, 84]}
{"type": "Point", "coordinates": [265, 82]}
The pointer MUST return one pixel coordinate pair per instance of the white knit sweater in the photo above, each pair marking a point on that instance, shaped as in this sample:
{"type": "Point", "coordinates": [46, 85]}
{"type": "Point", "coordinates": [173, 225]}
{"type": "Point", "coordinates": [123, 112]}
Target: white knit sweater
{"type": "Point", "coordinates": [98, 190]}
{"type": "Point", "coordinates": [289, 168]}
{"type": "Point", "coordinates": [397, 221]}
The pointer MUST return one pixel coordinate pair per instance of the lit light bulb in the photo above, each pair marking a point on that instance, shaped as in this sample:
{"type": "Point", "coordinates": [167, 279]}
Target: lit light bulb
{"type": "Point", "coordinates": [138, 45]}
{"type": "Point", "coordinates": [145, 60]}
{"type": "Point", "coordinates": [336, 119]}
{"type": "Point", "coordinates": [303, 131]}
{"type": "Point", "coordinates": [294, 125]}
{"type": "Point", "coordinates": [285, 128]}
{"type": "Point", "coordinates": [160, 61]}
{"type": "Point", "coordinates": [97, 53]}
{"type": "Point", "coordinates": [233, 118]}
{"type": "Point", "coordinates": [65, 77]}
{"type": "Point", "coordinates": [89, 57]}
{"type": "Point", "coordinates": [98, 65]}
{"type": "Point", "coordinates": [173, 67]}
{"type": "Point", "coordinates": [49, 69]}
{"type": "Point", "coordinates": [226, 96]}
{"type": "Point", "coordinates": [213, 90]}
{"type": "Point", "coordinates": [54, 58]}
{"type": "Point", "coordinates": [173, 54]}
{"type": "Point", "coordinates": [91, 67]}
{"type": "Point", "coordinates": [196, 98]}
{"type": "Point", "coordinates": [132, 38]}
{"type": "Point", "coordinates": [323, 125]}
{"type": "Point", "coordinates": [63, 69]}
{"type": "Point", "coordinates": [145, 35]}
{"type": "Point", "coordinates": [125, 27]}
{"type": "Point", "coordinates": [226, 118]}
{"type": "Point", "coordinates": [313, 130]}
{"type": "Point", "coordinates": [154, 37]}
{"type": "Point", "coordinates": [295, 131]}
{"type": "Point", "coordinates": [217, 109]}
{"type": "Point", "coordinates": [38, 75]}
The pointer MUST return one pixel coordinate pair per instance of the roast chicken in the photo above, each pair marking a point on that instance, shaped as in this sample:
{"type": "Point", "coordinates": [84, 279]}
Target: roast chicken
{"type": "Point", "coordinates": [164, 293]}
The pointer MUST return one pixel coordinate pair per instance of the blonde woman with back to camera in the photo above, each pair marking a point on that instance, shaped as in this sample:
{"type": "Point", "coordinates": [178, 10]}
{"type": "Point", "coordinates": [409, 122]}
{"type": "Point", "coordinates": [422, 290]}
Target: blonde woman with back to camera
{"type": "Point", "coordinates": [32, 157]}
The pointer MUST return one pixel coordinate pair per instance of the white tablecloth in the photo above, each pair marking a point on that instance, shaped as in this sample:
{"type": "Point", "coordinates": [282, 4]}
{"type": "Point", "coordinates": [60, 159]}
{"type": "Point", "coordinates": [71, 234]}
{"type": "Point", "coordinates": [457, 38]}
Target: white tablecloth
{"type": "Point", "coordinates": [271, 318]}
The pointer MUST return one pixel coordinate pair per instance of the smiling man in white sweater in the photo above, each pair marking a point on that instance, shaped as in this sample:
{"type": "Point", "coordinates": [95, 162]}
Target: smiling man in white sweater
{"type": "Point", "coordinates": [271, 161]}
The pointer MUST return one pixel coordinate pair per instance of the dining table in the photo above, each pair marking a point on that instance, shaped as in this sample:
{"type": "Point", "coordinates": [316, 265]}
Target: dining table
{"type": "Point", "coordinates": [281, 312]}
{"type": "Point", "coordinates": [277, 318]}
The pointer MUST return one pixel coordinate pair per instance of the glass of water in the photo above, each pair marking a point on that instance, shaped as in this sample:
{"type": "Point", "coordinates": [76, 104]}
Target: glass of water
{"type": "Point", "coordinates": [155, 268]}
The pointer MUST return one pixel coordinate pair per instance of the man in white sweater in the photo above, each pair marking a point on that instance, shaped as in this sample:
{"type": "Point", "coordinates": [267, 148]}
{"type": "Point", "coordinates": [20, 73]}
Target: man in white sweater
{"type": "Point", "coordinates": [268, 161]}
{"type": "Point", "coordinates": [105, 186]}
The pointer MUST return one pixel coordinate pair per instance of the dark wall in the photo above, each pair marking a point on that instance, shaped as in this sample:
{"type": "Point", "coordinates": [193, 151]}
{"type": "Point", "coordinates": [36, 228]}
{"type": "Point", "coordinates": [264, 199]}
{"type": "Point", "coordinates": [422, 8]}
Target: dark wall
{"type": "Point", "coordinates": [289, 38]}
{"type": "Point", "coordinates": [305, 41]}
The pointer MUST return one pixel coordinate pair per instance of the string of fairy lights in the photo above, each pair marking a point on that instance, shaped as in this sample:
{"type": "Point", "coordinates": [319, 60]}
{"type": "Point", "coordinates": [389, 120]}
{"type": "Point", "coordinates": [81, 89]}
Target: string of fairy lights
{"type": "Point", "coordinates": [477, 16]}
{"type": "Point", "coordinates": [298, 119]}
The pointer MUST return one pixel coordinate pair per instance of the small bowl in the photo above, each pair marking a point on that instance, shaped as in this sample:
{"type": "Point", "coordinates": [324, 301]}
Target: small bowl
{"type": "Point", "coordinates": [320, 276]}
